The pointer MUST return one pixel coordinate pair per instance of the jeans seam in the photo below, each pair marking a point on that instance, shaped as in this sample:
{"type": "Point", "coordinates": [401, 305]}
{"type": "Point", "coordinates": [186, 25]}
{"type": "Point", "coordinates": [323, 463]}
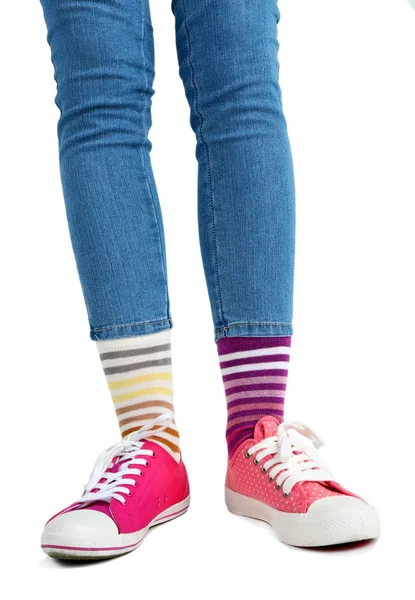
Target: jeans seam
{"type": "Point", "coordinates": [142, 324]}
{"type": "Point", "coordinates": [202, 138]}
{"type": "Point", "coordinates": [145, 105]}
{"type": "Point", "coordinates": [264, 324]}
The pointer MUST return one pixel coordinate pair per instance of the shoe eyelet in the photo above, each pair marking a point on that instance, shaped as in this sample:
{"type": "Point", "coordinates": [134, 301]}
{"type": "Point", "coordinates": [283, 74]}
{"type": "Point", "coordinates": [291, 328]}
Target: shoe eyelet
{"type": "Point", "coordinates": [256, 462]}
{"type": "Point", "coordinates": [286, 495]}
{"type": "Point", "coordinates": [271, 479]}
{"type": "Point", "coordinates": [247, 455]}
{"type": "Point", "coordinates": [141, 474]}
{"type": "Point", "coordinates": [263, 470]}
{"type": "Point", "coordinates": [153, 455]}
{"type": "Point", "coordinates": [278, 487]}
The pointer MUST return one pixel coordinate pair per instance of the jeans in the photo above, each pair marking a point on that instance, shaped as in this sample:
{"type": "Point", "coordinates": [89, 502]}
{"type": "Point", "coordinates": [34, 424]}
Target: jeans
{"type": "Point", "coordinates": [103, 56]}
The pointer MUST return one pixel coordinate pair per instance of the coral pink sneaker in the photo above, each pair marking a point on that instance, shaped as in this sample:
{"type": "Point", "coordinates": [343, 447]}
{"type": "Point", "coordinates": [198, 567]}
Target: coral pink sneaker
{"type": "Point", "coordinates": [134, 485]}
{"type": "Point", "coordinates": [281, 479]}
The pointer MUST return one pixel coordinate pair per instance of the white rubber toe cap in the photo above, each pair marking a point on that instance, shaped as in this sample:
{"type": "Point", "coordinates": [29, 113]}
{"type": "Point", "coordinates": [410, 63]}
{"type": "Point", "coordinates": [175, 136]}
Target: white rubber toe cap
{"type": "Point", "coordinates": [340, 519]}
{"type": "Point", "coordinates": [80, 528]}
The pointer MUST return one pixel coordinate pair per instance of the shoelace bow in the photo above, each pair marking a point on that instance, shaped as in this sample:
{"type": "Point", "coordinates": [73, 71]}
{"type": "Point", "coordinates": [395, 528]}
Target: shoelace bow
{"type": "Point", "coordinates": [294, 459]}
{"type": "Point", "coordinates": [104, 484]}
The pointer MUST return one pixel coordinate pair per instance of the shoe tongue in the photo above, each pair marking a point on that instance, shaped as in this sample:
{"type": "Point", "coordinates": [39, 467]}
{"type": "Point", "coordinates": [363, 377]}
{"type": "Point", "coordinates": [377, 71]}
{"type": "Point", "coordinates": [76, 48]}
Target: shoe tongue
{"type": "Point", "coordinates": [266, 427]}
{"type": "Point", "coordinates": [102, 505]}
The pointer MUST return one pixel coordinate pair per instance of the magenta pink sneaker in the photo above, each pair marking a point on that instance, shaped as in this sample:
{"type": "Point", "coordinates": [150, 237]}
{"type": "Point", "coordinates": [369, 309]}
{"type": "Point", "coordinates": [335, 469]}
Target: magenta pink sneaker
{"type": "Point", "coordinates": [280, 478]}
{"type": "Point", "coordinates": [134, 485]}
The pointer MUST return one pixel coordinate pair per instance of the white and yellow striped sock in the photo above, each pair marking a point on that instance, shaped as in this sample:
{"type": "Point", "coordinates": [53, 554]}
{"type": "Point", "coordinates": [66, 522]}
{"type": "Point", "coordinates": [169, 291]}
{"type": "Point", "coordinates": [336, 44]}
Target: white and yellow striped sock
{"type": "Point", "coordinates": [139, 376]}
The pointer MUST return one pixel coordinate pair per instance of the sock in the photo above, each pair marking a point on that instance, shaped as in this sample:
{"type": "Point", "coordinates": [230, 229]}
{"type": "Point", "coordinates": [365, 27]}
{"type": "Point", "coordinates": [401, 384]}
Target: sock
{"type": "Point", "coordinates": [139, 376]}
{"type": "Point", "coordinates": [254, 373]}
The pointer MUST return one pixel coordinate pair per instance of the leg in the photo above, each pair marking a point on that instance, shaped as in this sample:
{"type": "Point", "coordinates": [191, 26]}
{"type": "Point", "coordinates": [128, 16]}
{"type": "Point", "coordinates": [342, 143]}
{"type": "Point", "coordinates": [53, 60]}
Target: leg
{"type": "Point", "coordinates": [228, 61]}
{"type": "Point", "coordinates": [102, 51]}
{"type": "Point", "coordinates": [103, 55]}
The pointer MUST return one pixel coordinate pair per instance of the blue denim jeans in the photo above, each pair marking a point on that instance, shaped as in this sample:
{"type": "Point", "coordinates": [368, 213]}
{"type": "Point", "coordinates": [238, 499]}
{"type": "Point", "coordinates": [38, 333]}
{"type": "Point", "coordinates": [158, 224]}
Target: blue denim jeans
{"type": "Point", "coordinates": [103, 55]}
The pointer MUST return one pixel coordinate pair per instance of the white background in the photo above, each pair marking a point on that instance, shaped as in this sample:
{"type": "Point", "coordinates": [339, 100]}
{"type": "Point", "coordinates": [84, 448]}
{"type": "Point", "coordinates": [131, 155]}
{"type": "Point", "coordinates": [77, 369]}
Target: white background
{"type": "Point", "coordinates": [347, 72]}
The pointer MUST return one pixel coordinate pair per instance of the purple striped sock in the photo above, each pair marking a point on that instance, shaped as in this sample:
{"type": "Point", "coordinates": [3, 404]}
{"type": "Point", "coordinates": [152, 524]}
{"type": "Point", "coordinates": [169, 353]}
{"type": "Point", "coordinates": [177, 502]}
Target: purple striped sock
{"type": "Point", "coordinates": [254, 373]}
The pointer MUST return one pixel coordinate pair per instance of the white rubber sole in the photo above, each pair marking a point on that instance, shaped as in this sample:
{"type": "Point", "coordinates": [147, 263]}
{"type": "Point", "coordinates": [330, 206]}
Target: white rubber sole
{"type": "Point", "coordinates": [63, 546]}
{"type": "Point", "coordinates": [330, 521]}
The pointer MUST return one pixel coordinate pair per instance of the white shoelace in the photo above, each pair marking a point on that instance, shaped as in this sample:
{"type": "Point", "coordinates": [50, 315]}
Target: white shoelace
{"type": "Point", "coordinates": [294, 459]}
{"type": "Point", "coordinates": [108, 485]}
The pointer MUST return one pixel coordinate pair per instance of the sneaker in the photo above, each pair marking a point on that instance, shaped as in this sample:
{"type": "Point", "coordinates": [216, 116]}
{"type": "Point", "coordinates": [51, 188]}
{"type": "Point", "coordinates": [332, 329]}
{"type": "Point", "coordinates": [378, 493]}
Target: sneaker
{"type": "Point", "coordinates": [134, 485]}
{"type": "Point", "coordinates": [280, 478]}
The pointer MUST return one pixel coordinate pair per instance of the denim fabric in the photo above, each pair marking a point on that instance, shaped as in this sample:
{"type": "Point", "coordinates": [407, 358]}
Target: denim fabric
{"type": "Point", "coordinates": [103, 55]}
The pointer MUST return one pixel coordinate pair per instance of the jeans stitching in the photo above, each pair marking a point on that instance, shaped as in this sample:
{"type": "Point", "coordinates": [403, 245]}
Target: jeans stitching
{"type": "Point", "coordinates": [145, 105]}
{"type": "Point", "coordinates": [202, 138]}
{"type": "Point", "coordinates": [143, 324]}
{"type": "Point", "coordinates": [254, 324]}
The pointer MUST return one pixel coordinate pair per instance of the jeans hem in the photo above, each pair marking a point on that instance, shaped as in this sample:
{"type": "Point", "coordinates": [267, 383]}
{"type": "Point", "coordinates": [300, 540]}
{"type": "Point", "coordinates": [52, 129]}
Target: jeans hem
{"type": "Point", "coordinates": [254, 330]}
{"type": "Point", "coordinates": [129, 329]}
